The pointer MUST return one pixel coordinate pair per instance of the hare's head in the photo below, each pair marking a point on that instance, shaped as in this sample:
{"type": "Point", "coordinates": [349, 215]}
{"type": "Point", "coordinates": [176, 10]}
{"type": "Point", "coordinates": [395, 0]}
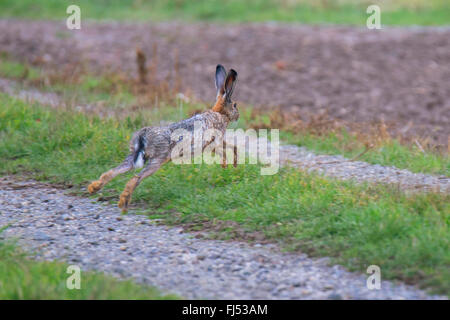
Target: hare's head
{"type": "Point", "coordinates": [224, 86]}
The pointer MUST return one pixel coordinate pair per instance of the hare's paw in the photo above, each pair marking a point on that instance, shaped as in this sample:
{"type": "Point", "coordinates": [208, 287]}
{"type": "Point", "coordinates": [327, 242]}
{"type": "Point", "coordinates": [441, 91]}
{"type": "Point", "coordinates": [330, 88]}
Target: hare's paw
{"type": "Point", "coordinates": [95, 186]}
{"type": "Point", "coordinates": [224, 163]}
{"type": "Point", "coordinates": [124, 200]}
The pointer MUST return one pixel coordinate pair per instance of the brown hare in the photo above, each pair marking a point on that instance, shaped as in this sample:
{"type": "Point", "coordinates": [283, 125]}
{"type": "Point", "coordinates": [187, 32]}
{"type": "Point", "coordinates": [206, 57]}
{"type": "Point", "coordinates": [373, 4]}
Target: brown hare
{"type": "Point", "coordinates": [152, 146]}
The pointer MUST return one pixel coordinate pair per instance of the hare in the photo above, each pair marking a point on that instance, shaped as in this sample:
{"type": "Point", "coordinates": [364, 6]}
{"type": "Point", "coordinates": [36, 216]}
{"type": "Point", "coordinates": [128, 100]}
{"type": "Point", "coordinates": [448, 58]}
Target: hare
{"type": "Point", "coordinates": [152, 146]}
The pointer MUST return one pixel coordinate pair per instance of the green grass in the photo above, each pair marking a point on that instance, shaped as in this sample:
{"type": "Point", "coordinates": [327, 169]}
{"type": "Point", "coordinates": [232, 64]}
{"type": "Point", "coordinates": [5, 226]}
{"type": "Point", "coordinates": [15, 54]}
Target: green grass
{"type": "Point", "coordinates": [23, 278]}
{"type": "Point", "coordinates": [94, 89]}
{"type": "Point", "coordinates": [357, 225]}
{"type": "Point", "coordinates": [86, 89]}
{"type": "Point", "coordinates": [399, 12]}
{"type": "Point", "coordinates": [17, 70]}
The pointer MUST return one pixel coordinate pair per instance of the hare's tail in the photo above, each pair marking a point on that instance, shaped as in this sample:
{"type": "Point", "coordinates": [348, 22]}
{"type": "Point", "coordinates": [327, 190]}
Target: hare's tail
{"type": "Point", "coordinates": [139, 152]}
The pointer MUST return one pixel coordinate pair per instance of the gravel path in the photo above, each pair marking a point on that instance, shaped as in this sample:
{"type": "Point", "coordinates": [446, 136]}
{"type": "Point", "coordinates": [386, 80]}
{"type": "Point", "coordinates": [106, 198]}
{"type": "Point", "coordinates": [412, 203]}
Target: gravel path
{"type": "Point", "coordinates": [346, 169]}
{"type": "Point", "coordinates": [334, 166]}
{"type": "Point", "coordinates": [359, 171]}
{"type": "Point", "coordinates": [15, 89]}
{"type": "Point", "coordinates": [98, 237]}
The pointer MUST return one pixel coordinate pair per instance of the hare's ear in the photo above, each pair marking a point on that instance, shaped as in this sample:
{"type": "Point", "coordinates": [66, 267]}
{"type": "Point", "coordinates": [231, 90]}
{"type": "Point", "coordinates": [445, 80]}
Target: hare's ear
{"type": "Point", "coordinates": [221, 74]}
{"type": "Point", "coordinates": [230, 82]}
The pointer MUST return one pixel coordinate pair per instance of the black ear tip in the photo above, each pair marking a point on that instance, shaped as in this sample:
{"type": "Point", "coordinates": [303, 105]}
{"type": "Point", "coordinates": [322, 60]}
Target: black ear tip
{"type": "Point", "coordinates": [233, 73]}
{"type": "Point", "coordinates": [219, 67]}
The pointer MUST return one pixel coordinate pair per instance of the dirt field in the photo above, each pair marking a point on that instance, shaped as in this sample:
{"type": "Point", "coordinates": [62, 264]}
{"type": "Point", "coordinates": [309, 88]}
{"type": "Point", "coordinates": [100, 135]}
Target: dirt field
{"type": "Point", "coordinates": [401, 75]}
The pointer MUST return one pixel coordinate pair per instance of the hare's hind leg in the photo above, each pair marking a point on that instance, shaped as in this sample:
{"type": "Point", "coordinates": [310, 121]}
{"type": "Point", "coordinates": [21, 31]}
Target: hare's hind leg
{"type": "Point", "coordinates": [125, 166]}
{"type": "Point", "coordinates": [152, 166]}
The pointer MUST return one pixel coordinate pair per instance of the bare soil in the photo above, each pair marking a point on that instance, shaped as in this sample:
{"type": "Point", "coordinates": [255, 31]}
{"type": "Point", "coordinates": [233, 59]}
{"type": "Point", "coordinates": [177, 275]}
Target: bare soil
{"type": "Point", "coordinates": [399, 75]}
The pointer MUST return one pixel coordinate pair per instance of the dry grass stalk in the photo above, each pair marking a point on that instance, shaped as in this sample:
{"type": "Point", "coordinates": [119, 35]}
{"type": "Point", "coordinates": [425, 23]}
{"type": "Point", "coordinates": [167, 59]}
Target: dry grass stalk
{"type": "Point", "coordinates": [142, 68]}
{"type": "Point", "coordinates": [419, 146]}
{"type": "Point", "coordinates": [177, 80]}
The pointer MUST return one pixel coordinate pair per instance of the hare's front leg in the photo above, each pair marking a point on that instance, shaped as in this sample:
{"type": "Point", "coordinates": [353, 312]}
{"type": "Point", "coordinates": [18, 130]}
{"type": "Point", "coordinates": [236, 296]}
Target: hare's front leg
{"type": "Point", "coordinates": [149, 169]}
{"type": "Point", "coordinates": [125, 166]}
{"type": "Point", "coordinates": [224, 154]}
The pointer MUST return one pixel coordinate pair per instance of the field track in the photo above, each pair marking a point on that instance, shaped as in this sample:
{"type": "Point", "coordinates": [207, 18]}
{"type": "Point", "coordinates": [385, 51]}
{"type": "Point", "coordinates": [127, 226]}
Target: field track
{"type": "Point", "coordinates": [96, 236]}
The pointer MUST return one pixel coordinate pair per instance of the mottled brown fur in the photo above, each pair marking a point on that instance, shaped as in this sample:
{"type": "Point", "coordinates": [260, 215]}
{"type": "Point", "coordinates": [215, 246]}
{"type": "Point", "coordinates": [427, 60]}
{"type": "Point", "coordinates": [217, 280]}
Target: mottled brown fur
{"type": "Point", "coordinates": [219, 105]}
{"type": "Point", "coordinates": [125, 197]}
{"type": "Point", "coordinates": [153, 146]}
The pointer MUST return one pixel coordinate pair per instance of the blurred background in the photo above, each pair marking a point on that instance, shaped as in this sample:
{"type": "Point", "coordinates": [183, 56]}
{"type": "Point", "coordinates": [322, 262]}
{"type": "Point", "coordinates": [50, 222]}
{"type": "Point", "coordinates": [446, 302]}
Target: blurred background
{"type": "Point", "coordinates": [395, 12]}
